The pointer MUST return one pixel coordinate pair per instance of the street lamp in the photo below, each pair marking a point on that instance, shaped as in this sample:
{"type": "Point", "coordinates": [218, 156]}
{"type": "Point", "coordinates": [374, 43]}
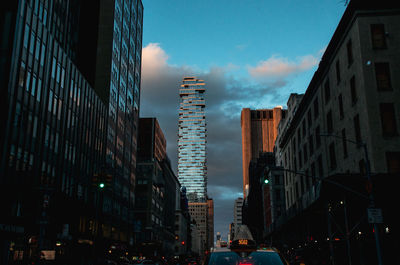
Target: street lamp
{"type": "Point", "coordinates": [371, 196]}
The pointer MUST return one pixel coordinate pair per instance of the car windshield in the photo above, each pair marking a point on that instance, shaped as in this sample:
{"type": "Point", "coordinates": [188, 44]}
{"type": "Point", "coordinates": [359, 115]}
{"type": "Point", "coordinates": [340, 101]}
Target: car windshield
{"type": "Point", "coordinates": [254, 258]}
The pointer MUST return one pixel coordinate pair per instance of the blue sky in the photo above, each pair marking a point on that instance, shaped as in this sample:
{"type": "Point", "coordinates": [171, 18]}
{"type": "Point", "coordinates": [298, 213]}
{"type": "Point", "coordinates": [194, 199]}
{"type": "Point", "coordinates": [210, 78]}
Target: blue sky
{"type": "Point", "coordinates": [251, 53]}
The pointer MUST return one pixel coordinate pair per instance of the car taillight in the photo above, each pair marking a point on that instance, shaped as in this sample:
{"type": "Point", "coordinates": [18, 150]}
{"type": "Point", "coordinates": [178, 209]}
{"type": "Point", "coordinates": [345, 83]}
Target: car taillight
{"type": "Point", "coordinates": [245, 263]}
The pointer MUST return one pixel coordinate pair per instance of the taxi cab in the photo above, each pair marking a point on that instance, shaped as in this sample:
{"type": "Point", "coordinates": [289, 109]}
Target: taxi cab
{"type": "Point", "coordinates": [243, 251]}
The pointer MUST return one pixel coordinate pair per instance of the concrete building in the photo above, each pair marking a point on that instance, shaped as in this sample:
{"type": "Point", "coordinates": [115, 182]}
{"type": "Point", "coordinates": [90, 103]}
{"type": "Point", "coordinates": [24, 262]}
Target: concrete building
{"type": "Point", "coordinates": [259, 131]}
{"type": "Point", "coordinates": [273, 197]}
{"type": "Point", "coordinates": [182, 224]}
{"type": "Point", "coordinates": [210, 224]}
{"type": "Point", "coordinates": [352, 102]}
{"type": "Point", "coordinates": [197, 246]}
{"type": "Point", "coordinates": [256, 210]}
{"type": "Point", "coordinates": [237, 214]}
{"type": "Point", "coordinates": [156, 192]}
{"type": "Point", "coordinates": [199, 213]}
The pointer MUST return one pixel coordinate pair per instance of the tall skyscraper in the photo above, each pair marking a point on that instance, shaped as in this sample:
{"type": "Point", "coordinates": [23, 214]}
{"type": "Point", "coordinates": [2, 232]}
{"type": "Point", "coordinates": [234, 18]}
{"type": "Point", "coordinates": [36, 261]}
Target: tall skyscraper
{"type": "Point", "coordinates": [192, 169]}
{"type": "Point", "coordinates": [259, 131]}
{"type": "Point", "coordinates": [70, 73]}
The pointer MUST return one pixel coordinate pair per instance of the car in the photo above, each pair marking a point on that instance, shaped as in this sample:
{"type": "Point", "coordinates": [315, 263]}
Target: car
{"type": "Point", "coordinates": [243, 251]}
{"type": "Point", "coordinates": [192, 261]}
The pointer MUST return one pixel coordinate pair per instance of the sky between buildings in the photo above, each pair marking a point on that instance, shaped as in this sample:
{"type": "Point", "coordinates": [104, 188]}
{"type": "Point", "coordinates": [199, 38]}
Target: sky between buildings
{"type": "Point", "coordinates": [250, 53]}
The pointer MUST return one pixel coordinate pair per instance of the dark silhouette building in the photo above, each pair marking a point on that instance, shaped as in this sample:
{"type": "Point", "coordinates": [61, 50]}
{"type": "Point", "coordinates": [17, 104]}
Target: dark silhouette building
{"type": "Point", "coordinates": [253, 209]}
{"type": "Point", "coordinates": [157, 193]}
{"type": "Point", "coordinates": [70, 78]}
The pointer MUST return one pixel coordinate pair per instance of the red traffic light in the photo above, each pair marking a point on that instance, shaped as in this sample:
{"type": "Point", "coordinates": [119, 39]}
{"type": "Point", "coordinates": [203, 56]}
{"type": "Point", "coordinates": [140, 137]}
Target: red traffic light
{"type": "Point", "coordinates": [183, 242]}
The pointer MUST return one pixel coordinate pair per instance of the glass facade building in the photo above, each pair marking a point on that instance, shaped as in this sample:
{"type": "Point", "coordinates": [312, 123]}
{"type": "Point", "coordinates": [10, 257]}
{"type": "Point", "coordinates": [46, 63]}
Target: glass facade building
{"type": "Point", "coordinates": [192, 169]}
{"type": "Point", "coordinates": [70, 78]}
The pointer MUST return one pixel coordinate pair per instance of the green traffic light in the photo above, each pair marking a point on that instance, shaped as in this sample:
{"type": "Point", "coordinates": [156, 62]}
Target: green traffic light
{"type": "Point", "coordinates": [101, 185]}
{"type": "Point", "coordinates": [266, 181]}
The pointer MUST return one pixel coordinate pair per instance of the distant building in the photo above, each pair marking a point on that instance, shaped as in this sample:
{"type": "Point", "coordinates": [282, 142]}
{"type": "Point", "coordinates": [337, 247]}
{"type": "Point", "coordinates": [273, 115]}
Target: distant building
{"type": "Point", "coordinates": [197, 246]}
{"type": "Point", "coordinates": [192, 168]}
{"type": "Point", "coordinates": [237, 213]}
{"type": "Point", "coordinates": [273, 197]}
{"type": "Point", "coordinates": [182, 224]}
{"type": "Point", "coordinates": [210, 224]}
{"type": "Point", "coordinates": [259, 131]}
{"type": "Point", "coordinates": [199, 213]}
{"type": "Point", "coordinates": [256, 209]}
{"type": "Point", "coordinates": [156, 192]}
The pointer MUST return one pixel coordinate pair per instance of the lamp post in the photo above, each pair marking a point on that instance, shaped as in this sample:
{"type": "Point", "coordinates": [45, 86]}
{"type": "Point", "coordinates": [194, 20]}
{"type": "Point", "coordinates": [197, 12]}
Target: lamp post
{"type": "Point", "coordinates": [371, 196]}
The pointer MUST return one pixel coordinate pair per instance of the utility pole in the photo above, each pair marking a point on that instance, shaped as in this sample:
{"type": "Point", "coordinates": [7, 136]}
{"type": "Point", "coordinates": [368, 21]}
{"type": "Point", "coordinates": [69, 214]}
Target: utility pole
{"type": "Point", "coordinates": [371, 196]}
{"type": "Point", "coordinates": [372, 205]}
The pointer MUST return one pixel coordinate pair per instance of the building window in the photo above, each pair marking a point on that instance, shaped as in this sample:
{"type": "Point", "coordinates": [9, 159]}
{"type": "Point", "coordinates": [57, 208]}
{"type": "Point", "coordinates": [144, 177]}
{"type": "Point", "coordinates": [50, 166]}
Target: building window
{"type": "Point", "coordinates": [298, 137]}
{"type": "Point", "coordinates": [344, 142]}
{"type": "Point", "coordinates": [357, 130]}
{"type": "Point", "coordinates": [393, 162]}
{"type": "Point", "coordinates": [382, 73]}
{"type": "Point", "coordinates": [350, 58]}
{"type": "Point", "coordinates": [341, 112]}
{"type": "Point", "coordinates": [320, 167]}
{"type": "Point", "coordinates": [316, 108]}
{"type": "Point", "coordinates": [329, 122]}
{"type": "Point", "coordinates": [313, 171]}
{"type": "Point", "coordinates": [353, 90]}
{"type": "Point", "coordinates": [332, 156]}
{"type": "Point", "coordinates": [311, 145]}
{"type": "Point", "coordinates": [327, 91]}
{"type": "Point", "coordinates": [378, 36]}
{"type": "Point", "coordinates": [388, 119]}
{"type": "Point", "coordinates": [305, 153]}
{"type": "Point", "coordinates": [300, 160]}
{"type": "Point", "coordinates": [317, 137]}
{"type": "Point", "coordinates": [338, 71]}
{"type": "Point", "coordinates": [309, 120]}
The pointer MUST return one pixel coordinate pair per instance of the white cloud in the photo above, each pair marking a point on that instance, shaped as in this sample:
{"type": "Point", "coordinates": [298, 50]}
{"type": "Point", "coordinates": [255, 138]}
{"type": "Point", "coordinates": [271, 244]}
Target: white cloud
{"type": "Point", "coordinates": [154, 58]}
{"type": "Point", "coordinates": [280, 68]}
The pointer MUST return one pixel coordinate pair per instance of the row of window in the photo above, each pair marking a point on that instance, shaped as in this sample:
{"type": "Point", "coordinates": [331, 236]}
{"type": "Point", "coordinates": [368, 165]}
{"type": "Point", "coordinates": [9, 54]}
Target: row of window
{"type": "Point", "coordinates": [305, 145]}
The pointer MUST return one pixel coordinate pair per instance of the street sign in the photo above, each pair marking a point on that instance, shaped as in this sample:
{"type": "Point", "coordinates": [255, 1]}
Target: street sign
{"type": "Point", "coordinates": [375, 216]}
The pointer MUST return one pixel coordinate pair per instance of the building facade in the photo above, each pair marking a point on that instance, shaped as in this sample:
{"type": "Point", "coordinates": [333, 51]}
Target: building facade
{"type": "Point", "coordinates": [210, 224]}
{"type": "Point", "coordinates": [199, 213]}
{"type": "Point", "coordinates": [192, 168]}
{"type": "Point", "coordinates": [183, 240]}
{"type": "Point", "coordinates": [156, 192]}
{"type": "Point", "coordinates": [347, 123]}
{"type": "Point", "coordinates": [259, 131]}
{"type": "Point", "coordinates": [56, 127]}
{"type": "Point", "coordinates": [237, 215]}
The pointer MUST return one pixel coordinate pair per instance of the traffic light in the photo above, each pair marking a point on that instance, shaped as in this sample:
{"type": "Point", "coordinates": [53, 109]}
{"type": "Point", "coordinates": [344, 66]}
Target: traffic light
{"type": "Point", "coordinates": [266, 181]}
{"type": "Point", "coordinates": [183, 243]}
{"type": "Point", "coordinates": [101, 180]}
